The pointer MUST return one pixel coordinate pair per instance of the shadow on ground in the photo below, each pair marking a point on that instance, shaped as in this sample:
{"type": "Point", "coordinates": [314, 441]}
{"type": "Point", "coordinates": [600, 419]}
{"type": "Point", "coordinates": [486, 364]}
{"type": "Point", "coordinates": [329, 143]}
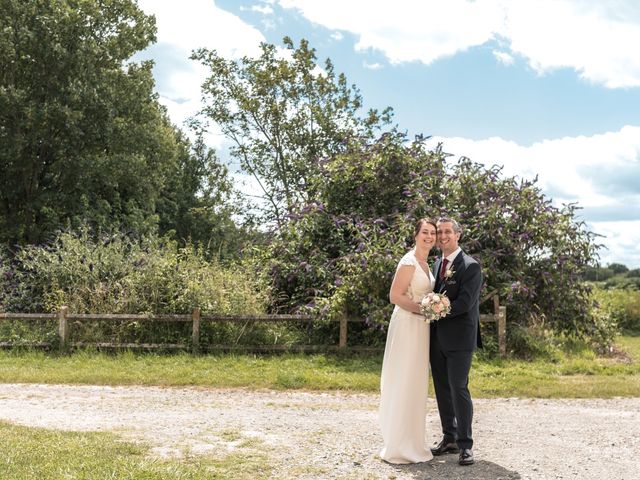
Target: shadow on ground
{"type": "Point", "coordinates": [447, 468]}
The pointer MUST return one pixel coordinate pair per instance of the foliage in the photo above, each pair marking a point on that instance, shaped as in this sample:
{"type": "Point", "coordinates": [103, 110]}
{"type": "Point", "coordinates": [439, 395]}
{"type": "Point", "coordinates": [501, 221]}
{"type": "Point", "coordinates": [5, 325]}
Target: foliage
{"type": "Point", "coordinates": [337, 255]}
{"type": "Point", "coordinates": [635, 273]}
{"type": "Point", "coordinates": [614, 276]}
{"type": "Point", "coordinates": [618, 268]}
{"type": "Point", "coordinates": [596, 274]}
{"type": "Point", "coordinates": [123, 275]}
{"type": "Point", "coordinates": [83, 138]}
{"type": "Point", "coordinates": [613, 271]}
{"type": "Point", "coordinates": [119, 274]}
{"type": "Point", "coordinates": [621, 305]}
{"type": "Point", "coordinates": [5, 277]}
{"type": "Point", "coordinates": [199, 202]}
{"type": "Point", "coordinates": [623, 282]}
{"type": "Point", "coordinates": [282, 111]}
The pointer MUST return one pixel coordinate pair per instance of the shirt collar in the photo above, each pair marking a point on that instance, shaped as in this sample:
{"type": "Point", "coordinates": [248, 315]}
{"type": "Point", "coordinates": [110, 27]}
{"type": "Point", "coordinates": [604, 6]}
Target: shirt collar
{"type": "Point", "coordinates": [453, 255]}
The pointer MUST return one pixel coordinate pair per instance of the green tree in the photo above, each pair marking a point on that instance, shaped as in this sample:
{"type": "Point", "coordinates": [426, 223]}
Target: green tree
{"type": "Point", "coordinates": [199, 203]}
{"type": "Point", "coordinates": [283, 112]}
{"type": "Point", "coordinates": [618, 268]}
{"type": "Point", "coordinates": [597, 274]}
{"type": "Point", "coordinates": [83, 138]}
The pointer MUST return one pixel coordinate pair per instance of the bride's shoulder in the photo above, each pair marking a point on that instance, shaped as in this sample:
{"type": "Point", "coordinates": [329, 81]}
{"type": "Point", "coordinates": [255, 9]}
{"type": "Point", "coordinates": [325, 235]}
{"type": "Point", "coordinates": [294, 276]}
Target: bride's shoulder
{"type": "Point", "coordinates": [409, 258]}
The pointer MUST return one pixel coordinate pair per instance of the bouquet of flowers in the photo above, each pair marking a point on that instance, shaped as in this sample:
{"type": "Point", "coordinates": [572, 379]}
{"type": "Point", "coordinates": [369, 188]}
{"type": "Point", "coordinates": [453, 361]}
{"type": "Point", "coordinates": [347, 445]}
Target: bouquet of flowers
{"type": "Point", "coordinates": [434, 306]}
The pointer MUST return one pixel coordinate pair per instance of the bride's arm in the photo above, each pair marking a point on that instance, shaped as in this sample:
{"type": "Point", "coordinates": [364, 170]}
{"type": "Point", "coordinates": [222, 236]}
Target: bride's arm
{"type": "Point", "coordinates": [400, 288]}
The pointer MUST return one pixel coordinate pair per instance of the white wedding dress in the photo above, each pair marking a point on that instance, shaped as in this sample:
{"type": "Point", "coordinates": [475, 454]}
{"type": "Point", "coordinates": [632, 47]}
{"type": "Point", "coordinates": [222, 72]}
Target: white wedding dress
{"type": "Point", "coordinates": [405, 376]}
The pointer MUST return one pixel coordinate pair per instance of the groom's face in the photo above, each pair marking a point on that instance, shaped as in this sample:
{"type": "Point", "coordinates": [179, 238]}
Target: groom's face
{"type": "Point", "coordinates": [447, 238]}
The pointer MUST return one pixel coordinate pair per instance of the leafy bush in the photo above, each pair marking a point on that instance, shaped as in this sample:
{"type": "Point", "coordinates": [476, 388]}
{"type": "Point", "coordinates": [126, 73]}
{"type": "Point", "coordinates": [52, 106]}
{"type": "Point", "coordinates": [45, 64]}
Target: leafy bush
{"type": "Point", "coordinates": [119, 274]}
{"type": "Point", "coordinates": [122, 275]}
{"type": "Point", "coordinates": [5, 278]}
{"type": "Point", "coordinates": [635, 273]}
{"type": "Point", "coordinates": [623, 282]}
{"type": "Point", "coordinates": [622, 306]}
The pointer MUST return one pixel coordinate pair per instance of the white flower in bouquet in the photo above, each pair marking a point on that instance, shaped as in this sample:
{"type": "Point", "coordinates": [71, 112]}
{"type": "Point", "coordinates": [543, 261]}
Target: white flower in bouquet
{"type": "Point", "coordinates": [434, 306]}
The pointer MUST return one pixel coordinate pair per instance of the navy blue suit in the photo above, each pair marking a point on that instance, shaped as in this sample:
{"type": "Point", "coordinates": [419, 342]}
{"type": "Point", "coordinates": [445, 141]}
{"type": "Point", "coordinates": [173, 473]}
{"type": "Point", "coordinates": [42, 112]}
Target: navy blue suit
{"type": "Point", "coordinates": [453, 340]}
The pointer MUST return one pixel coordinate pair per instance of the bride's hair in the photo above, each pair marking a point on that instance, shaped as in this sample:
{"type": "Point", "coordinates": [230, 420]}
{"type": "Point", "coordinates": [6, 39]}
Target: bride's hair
{"type": "Point", "coordinates": [421, 222]}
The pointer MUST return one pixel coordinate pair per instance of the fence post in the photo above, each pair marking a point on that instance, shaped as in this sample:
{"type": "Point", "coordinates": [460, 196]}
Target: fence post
{"type": "Point", "coordinates": [343, 331]}
{"type": "Point", "coordinates": [502, 330]}
{"type": "Point", "coordinates": [195, 332]}
{"type": "Point", "coordinates": [63, 327]}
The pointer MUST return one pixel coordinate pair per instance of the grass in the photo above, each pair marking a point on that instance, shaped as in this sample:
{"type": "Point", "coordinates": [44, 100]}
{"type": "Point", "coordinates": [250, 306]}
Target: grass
{"type": "Point", "coordinates": [574, 374]}
{"type": "Point", "coordinates": [40, 454]}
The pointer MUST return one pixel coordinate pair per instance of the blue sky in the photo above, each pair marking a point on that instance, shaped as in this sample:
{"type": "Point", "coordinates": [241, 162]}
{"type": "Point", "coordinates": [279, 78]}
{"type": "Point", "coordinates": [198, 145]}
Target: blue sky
{"type": "Point", "coordinates": [546, 88]}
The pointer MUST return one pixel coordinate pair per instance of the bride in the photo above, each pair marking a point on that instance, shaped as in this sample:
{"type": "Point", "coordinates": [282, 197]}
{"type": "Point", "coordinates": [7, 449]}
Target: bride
{"type": "Point", "coordinates": [404, 378]}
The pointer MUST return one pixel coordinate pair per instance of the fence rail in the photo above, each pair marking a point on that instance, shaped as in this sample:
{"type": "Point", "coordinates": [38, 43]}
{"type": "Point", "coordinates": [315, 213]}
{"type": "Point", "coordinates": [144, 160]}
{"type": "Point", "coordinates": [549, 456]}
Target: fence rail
{"type": "Point", "coordinates": [65, 320]}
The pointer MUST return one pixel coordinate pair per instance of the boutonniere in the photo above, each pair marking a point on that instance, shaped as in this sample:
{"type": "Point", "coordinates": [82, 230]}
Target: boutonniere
{"type": "Point", "coordinates": [448, 274]}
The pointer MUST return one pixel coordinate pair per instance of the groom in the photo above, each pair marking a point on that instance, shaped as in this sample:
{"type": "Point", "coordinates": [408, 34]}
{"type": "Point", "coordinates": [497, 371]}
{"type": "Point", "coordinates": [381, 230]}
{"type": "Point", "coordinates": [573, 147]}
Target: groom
{"type": "Point", "coordinates": [453, 340]}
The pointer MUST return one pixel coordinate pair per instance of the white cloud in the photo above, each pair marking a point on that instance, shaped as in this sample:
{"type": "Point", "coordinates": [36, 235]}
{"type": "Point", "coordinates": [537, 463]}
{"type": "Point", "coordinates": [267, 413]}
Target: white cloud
{"type": "Point", "coordinates": [575, 169]}
{"type": "Point", "coordinates": [577, 34]}
{"type": "Point", "coordinates": [372, 66]}
{"type": "Point", "coordinates": [263, 9]}
{"type": "Point", "coordinates": [406, 30]}
{"type": "Point", "coordinates": [199, 23]}
{"type": "Point", "coordinates": [184, 27]}
{"type": "Point", "coordinates": [621, 242]}
{"type": "Point", "coordinates": [504, 57]}
{"type": "Point", "coordinates": [597, 39]}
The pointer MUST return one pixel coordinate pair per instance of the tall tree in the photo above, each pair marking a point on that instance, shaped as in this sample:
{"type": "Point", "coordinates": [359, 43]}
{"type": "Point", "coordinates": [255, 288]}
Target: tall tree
{"type": "Point", "coordinates": [283, 112]}
{"type": "Point", "coordinates": [199, 202]}
{"type": "Point", "coordinates": [83, 138]}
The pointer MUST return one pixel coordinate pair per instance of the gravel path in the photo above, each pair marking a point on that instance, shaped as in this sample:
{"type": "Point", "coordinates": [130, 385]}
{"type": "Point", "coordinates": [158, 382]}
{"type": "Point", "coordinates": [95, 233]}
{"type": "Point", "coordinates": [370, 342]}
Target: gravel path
{"type": "Point", "coordinates": [335, 435]}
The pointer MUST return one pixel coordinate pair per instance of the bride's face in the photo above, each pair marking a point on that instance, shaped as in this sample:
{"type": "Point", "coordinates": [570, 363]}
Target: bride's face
{"type": "Point", "coordinates": [426, 237]}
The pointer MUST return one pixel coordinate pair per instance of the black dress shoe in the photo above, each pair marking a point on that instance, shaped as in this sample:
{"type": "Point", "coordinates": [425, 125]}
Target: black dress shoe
{"type": "Point", "coordinates": [466, 457]}
{"type": "Point", "coordinates": [445, 446]}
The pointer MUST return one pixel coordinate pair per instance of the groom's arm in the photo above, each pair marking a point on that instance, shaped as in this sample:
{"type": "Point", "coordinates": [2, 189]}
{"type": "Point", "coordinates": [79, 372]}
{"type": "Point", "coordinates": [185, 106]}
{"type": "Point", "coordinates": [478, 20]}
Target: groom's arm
{"type": "Point", "coordinates": [469, 291]}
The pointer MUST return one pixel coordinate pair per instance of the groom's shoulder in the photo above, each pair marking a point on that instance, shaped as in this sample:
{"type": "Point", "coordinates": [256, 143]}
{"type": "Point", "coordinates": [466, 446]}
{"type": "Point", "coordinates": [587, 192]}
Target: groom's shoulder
{"type": "Point", "coordinates": [468, 259]}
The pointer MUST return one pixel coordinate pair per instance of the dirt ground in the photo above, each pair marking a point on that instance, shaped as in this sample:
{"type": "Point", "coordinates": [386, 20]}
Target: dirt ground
{"type": "Point", "coordinates": [307, 435]}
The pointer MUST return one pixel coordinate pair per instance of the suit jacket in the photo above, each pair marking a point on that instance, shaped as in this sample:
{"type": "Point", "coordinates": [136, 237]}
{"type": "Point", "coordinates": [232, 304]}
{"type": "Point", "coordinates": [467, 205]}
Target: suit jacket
{"type": "Point", "coordinates": [460, 330]}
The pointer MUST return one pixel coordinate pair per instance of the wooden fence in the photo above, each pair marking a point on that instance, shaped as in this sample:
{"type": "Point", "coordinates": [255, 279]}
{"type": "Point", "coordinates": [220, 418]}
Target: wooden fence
{"type": "Point", "coordinates": [66, 319]}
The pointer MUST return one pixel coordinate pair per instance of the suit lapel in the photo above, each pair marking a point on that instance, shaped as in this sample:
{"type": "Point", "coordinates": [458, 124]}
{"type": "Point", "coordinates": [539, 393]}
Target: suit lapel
{"type": "Point", "coordinates": [436, 271]}
{"type": "Point", "coordinates": [457, 261]}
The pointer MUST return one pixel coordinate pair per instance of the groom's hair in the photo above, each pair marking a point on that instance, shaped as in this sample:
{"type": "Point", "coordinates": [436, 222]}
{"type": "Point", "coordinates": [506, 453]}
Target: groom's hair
{"type": "Point", "coordinates": [456, 226]}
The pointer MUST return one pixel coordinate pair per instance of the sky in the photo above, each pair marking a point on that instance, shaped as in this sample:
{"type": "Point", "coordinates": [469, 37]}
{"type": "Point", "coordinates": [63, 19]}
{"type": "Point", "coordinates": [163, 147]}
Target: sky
{"type": "Point", "coordinates": [547, 89]}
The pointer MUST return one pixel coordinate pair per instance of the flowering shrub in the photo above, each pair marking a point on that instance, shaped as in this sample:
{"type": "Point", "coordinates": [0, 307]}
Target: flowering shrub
{"type": "Point", "coordinates": [337, 255]}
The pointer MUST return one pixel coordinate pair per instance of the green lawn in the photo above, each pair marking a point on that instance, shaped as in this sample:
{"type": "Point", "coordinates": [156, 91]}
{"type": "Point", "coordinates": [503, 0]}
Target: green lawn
{"type": "Point", "coordinates": [40, 454]}
{"type": "Point", "coordinates": [576, 374]}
